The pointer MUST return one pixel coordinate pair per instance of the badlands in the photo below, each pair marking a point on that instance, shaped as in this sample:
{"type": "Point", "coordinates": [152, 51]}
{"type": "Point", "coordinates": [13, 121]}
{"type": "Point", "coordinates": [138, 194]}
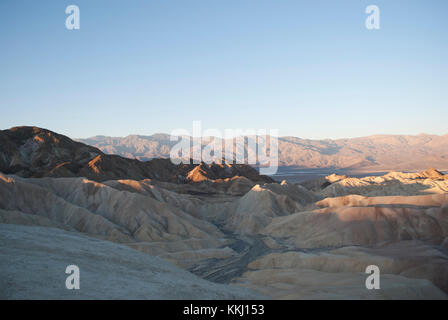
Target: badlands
{"type": "Point", "coordinates": [218, 231]}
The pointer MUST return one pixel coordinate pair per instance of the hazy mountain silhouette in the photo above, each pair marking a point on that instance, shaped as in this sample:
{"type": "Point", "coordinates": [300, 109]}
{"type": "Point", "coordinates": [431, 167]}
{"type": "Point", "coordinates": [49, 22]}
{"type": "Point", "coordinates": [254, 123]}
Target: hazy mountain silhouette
{"type": "Point", "coordinates": [377, 152]}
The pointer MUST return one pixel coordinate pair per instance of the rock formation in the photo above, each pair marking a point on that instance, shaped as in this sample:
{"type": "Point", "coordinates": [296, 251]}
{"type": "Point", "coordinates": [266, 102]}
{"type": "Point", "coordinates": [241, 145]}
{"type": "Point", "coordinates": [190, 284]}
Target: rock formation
{"type": "Point", "coordinates": [36, 152]}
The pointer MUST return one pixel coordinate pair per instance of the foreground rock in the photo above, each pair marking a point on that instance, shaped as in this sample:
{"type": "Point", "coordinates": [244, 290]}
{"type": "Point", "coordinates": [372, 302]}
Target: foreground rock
{"type": "Point", "coordinates": [33, 262]}
{"type": "Point", "coordinates": [296, 284]}
{"type": "Point", "coordinates": [346, 266]}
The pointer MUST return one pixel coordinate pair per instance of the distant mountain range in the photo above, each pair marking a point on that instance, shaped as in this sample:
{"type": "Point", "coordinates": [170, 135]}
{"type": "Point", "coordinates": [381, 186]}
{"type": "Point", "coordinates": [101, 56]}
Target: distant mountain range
{"type": "Point", "coordinates": [372, 153]}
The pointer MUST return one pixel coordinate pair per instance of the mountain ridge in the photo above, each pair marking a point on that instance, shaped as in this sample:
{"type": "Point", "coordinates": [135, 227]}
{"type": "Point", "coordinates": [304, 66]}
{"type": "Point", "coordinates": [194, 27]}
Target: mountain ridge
{"type": "Point", "coordinates": [379, 152]}
{"type": "Point", "coordinates": [33, 152]}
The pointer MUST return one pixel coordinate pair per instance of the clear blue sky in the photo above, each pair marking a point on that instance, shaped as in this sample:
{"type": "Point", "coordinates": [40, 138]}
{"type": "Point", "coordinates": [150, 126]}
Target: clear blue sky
{"type": "Point", "coordinates": [308, 68]}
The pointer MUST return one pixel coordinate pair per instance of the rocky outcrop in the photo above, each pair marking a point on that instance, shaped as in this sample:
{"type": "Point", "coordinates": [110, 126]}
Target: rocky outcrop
{"type": "Point", "coordinates": [256, 209]}
{"type": "Point", "coordinates": [36, 152]}
{"type": "Point", "coordinates": [220, 171]}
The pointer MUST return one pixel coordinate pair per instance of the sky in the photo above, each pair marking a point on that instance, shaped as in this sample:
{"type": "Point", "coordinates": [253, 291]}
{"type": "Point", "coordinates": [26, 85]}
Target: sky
{"type": "Point", "coordinates": [310, 69]}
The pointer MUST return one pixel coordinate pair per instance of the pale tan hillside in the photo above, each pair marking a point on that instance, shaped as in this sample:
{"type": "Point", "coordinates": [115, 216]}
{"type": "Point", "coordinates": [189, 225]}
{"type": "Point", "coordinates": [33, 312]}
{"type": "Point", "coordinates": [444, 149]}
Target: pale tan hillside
{"type": "Point", "coordinates": [97, 209]}
{"type": "Point", "coordinates": [426, 201]}
{"type": "Point", "coordinates": [345, 225]}
{"type": "Point", "coordinates": [394, 183]}
{"type": "Point", "coordinates": [257, 208]}
{"type": "Point", "coordinates": [409, 270]}
{"type": "Point", "coordinates": [142, 215]}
